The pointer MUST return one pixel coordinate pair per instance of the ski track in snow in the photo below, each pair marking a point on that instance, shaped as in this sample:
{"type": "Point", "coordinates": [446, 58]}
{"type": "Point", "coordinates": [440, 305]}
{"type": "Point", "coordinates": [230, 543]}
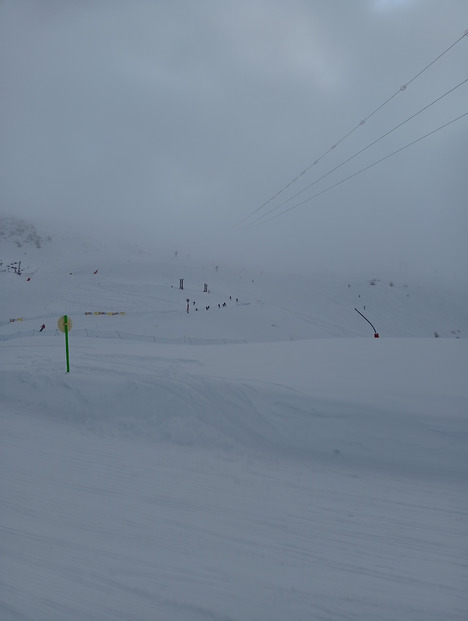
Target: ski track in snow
{"type": "Point", "coordinates": [120, 529]}
{"type": "Point", "coordinates": [313, 479]}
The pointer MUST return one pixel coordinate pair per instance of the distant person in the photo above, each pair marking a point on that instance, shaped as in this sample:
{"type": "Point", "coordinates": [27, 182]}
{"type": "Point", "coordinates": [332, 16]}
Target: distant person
{"type": "Point", "coordinates": [42, 327]}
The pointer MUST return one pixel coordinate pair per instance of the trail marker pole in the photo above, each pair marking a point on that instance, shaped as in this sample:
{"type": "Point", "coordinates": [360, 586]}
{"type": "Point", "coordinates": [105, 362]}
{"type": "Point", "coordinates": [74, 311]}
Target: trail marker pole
{"type": "Point", "coordinates": [64, 324]}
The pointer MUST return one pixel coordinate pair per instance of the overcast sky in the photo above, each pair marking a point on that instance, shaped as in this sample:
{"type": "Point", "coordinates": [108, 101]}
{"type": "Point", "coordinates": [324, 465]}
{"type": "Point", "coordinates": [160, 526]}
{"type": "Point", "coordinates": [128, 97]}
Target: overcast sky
{"type": "Point", "coordinates": [172, 122]}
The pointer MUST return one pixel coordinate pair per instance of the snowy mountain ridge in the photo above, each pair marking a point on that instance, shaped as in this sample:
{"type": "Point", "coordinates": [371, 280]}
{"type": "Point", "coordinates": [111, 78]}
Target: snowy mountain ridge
{"type": "Point", "coordinates": [20, 232]}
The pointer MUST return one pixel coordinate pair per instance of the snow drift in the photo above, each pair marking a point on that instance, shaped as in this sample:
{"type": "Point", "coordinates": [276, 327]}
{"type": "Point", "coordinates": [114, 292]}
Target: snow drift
{"type": "Point", "coordinates": [309, 471]}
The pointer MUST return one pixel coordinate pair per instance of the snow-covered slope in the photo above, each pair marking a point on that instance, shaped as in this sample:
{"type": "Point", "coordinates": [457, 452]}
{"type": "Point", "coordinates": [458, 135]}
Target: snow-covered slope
{"type": "Point", "coordinates": [173, 474]}
{"type": "Point", "coordinates": [138, 294]}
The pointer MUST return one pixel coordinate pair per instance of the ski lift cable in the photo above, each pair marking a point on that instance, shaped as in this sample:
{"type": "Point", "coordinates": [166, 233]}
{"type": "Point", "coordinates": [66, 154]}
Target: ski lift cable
{"type": "Point", "coordinates": [355, 174]}
{"type": "Point", "coordinates": [362, 122]}
{"type": "Point", "coordinates": [365, 168]}
{"type": "Point", "coordinates": [371, 144]}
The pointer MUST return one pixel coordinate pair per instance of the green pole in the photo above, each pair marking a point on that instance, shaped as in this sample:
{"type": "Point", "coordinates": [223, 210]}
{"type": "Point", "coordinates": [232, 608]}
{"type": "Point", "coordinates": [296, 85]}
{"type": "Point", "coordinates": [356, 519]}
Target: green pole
{"type": "Point", "coordinates": [65, 323]}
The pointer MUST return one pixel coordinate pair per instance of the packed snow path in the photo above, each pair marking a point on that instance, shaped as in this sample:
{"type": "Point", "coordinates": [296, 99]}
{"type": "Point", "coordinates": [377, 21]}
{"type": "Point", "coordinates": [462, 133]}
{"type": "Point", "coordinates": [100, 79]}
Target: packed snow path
{"type": "Point", "coordinates": [236, 482]}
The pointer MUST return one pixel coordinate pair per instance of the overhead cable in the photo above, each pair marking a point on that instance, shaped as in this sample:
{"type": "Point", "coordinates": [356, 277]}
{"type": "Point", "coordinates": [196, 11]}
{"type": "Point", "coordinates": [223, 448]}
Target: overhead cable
{"type": "Point", "coordinates": [362, 122]}
{"type": "Point", "coordinates": [371, 144]}
{"type": "Point", "coordinates": [260, 218]}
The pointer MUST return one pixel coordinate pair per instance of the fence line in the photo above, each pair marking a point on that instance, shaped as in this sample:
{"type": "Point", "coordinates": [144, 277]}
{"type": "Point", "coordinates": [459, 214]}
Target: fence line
{"type": "Point", "coordinates": [125, 336]}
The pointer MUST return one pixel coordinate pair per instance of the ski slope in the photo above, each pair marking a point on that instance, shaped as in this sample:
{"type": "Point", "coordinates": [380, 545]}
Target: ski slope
{"type": "Point", "coordinates": [267, 459]}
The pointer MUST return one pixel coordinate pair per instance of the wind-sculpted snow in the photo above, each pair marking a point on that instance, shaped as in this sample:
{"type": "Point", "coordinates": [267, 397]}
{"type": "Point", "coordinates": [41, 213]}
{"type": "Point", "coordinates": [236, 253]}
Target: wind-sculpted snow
{"type": "Point", "coordinates": [175, 475]}
{"type": "Point", "coordinates": [234, 482]}
{"type": "Point", "coordinates": [327, 401]}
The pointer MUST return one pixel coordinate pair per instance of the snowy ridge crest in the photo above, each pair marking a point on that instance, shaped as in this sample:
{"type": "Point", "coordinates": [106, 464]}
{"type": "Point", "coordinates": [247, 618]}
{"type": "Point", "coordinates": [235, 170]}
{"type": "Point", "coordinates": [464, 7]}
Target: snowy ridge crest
{"type": "Point", "coordinates": [20, 232]}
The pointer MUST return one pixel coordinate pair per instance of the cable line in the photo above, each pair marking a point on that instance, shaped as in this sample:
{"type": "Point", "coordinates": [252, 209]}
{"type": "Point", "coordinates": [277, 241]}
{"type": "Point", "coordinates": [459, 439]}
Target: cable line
{"type": "Point", "coordinates": [371, 144]}
{"type": "Point", "coordinates": [259, 219]}
{"type": "Point", "coordinates": [400, 90]}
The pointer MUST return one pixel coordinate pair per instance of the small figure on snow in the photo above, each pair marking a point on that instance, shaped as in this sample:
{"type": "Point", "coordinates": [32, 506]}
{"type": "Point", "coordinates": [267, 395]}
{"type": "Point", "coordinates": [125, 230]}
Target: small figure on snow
{"type": "Point", "coordinates": [42, 327]}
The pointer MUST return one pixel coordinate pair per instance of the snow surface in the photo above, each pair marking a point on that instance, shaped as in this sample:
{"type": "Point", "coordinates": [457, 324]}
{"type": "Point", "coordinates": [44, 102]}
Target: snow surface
{"type": "Point", "coordinates": [268, 459]}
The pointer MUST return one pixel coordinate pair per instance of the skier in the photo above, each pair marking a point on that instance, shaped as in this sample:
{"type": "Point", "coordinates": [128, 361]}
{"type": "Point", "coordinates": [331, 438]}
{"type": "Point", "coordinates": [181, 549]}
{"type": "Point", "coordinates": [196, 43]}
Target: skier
{"type": "Point", "coordinates": [42, 327]}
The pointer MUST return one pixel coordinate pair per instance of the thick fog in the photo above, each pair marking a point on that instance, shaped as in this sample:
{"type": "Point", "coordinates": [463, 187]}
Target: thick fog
{"type": "Point", "coordinates": [173, 124]}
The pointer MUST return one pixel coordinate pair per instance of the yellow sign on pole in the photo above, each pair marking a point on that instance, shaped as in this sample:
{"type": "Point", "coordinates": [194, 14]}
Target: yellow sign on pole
{"type": "Point", "coordinates": [64, 324]}
{"type": "Point", "coordinates": [61, 323]}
